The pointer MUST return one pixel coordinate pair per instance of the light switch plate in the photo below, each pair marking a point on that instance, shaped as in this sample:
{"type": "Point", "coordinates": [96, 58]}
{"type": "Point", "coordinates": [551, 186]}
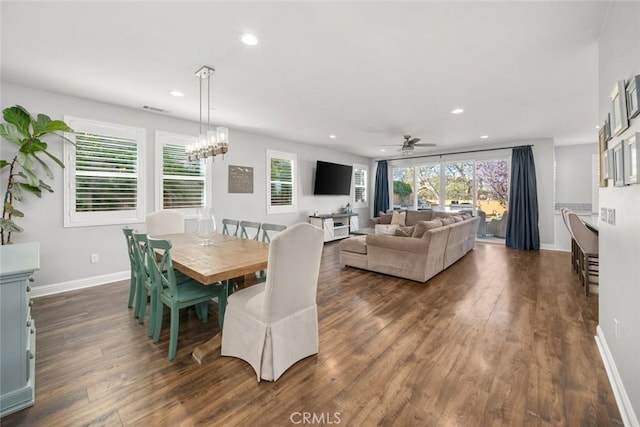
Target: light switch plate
{"type": "Point", "coordinates": [603, 214]}
{"type": "Point", "coordinates": [611, 216]}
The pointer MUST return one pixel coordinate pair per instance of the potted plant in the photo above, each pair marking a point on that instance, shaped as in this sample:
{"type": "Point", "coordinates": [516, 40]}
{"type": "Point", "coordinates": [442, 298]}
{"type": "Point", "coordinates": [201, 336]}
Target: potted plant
{"type": "Point", "coordinates": [26, 132]}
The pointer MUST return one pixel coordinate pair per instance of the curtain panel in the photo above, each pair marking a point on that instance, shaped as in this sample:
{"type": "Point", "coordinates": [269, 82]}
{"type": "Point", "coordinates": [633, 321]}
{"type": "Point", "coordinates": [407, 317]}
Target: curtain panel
{"type": "Point", "coordinates": [522, 221]}
{"type": "Point", "coordinates": [381, 196]}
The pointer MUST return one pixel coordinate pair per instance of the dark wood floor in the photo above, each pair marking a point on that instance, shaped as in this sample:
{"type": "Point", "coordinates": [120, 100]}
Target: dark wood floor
{"type": "Point", "coordinates": [503, 337]}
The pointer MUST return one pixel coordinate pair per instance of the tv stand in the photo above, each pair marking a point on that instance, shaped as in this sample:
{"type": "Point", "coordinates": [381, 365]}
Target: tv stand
{"type": "Point", "coordinates": [335, 226]}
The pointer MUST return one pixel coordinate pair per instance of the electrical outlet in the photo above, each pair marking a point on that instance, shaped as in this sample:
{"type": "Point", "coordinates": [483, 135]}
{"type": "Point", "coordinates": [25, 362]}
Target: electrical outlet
{"type": "Point", "coordinates": [611, 216]}
{"type": "Point", "coordinates": [616, 330]}
{"type": "Point", "coordinates": [95, 258]}
{"type": "Point", "coordinates": [603, 214]}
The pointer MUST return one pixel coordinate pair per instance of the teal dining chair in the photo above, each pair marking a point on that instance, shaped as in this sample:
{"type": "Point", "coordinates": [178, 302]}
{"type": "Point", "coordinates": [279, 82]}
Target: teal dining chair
{"type": "Point", "coordinates": [176, 296]}
{"type": "Point", "coordinates": [270, 228]}
{"type": "Point", "coordinates": [133, 281]}
{"type": "Point", "coordinates": [246, 228]}
{"type": "Point", "coordinates": [227, 223]}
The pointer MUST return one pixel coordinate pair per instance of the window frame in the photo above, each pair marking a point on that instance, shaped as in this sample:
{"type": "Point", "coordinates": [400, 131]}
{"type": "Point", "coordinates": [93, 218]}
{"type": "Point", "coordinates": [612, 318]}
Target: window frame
{"type": "Point", "coordinates": [72, 218]}
{"type": "Point", "coordinates": [293, 158]}
{"type": "Point", "coordinates": [354, 203]}
{"type": "Point", "coordinates": [163, 138]}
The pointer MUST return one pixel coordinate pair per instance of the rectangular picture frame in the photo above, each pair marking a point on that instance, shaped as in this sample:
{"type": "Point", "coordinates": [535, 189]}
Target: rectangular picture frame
{"type": "Point", "coordinates": [631, 159]}
{"type": "Point", "coordinates": [618, 165]}
{"type": "Point", "coordinates": [602, 148]}
{"type": "Point", "coordinates": [633, 97]}
{"type": "Point", "coordinates": [607, 127]}
{"type": "Point", "coordinates": [607, 164]}
{"type": "Point", "coordinates": [619, 119]}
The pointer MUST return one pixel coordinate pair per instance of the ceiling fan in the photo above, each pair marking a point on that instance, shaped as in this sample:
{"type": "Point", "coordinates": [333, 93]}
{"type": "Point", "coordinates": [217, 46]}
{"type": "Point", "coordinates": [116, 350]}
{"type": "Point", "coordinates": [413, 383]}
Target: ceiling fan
{"type": "Point", "coordinates": [409, 143]}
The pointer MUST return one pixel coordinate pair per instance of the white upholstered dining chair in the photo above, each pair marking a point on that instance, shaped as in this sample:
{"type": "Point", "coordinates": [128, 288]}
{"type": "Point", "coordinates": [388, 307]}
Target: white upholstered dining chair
{"type": "Point", "coordinates": [165, 222]}
{"type": "Point", "coordinates": [274, 324]}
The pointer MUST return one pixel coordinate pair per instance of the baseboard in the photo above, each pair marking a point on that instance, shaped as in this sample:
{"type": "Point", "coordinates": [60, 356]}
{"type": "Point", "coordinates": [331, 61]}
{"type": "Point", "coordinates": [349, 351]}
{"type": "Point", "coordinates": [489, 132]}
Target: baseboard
{"type": "Point", "coordinates": [622, 399]}
{"type": "Point", "coordinates": [547, 247]}
{"type": "Point", "coordinates": [56, 288]}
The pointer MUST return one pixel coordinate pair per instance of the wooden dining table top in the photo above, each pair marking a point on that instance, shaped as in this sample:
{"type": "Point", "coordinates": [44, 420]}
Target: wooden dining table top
{"type": "Point", "coordinates": [226, 258]}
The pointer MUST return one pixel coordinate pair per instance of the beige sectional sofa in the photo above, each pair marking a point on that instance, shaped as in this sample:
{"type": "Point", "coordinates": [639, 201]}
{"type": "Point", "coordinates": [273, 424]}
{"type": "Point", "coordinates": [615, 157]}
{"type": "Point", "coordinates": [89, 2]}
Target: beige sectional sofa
{"type": "Point", "coordinates": [416, 258]}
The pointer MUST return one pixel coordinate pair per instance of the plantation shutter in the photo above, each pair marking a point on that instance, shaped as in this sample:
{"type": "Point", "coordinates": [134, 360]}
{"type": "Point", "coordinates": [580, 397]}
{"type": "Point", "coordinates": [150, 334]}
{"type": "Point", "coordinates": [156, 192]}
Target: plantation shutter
{"type": "Point", "coordinates": [281, 182]}
{"type": "Point", "coordinates": [182, 181]}
{"type": "Point", "coordinates": [106, 173]}
{"type": "Point", "coordinates": [360, 179]}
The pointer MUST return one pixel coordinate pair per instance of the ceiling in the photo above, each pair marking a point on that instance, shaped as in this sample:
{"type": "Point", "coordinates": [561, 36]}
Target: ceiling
{"type": "Point", "coordinates": [367, 72]}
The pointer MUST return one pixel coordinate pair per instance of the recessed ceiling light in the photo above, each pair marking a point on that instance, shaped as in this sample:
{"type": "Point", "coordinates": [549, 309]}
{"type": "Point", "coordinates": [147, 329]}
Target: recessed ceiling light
{"type": "Point", "coordinates": [176, 93]}
{"type": "Point", "coordinates": [249, 39]}
{"type": "Point", "coordinates": [484, 137]}
{"type": "Point", "coordinates": [597, 127]}
{"type": "Point", "coordinates": [382, 149]}
{"type": "Point", "coordinates": [332, 136]}
{"type": "Point", "coordinates": [457, 111]}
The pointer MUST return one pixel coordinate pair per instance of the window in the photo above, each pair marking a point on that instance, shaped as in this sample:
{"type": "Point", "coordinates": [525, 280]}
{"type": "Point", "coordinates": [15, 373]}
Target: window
{"type": "Point", "coordinates": [359, 192]}
{"type": "Point", "coordinates": [104, 174]}
{"type": "Point", "coordinates": [402, 187]}
{"type": "Point", "coordinates": [281, 182]}
{"type": "Point", "coordinates": [482, 184]}
{"type": "Point", "coordinates": [180, 184]}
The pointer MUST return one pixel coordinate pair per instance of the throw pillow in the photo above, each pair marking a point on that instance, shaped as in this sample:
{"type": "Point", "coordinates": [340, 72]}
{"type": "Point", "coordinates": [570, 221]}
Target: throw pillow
{"type": "Point", "coordinates": [385, 229]}
{"type": "Point", "coordinates": [398, 218]}
{"type": "Point", "coordinates": [458, 218]}
{"type": "Point", "coordinates": [447, 220]}
{"type": "Point", "coordinates": [404, 231]}
{"type": "Point", "coordinates": [466, 216]}
{"type": "Point", "coordinates": [423, 226]}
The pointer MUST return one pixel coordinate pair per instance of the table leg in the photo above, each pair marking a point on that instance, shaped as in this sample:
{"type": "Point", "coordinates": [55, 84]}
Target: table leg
{"type": "Point", "coordinates": [213, 345]}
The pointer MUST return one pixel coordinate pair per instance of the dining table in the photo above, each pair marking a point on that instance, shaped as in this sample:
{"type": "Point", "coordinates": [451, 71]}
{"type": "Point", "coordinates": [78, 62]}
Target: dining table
{"type": "Point", "coordinates": [226, 259]}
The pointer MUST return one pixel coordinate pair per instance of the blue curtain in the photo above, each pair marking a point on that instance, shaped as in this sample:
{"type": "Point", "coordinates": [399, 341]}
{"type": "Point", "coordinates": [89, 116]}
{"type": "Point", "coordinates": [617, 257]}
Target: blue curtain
{"type": "Point", "coordinates": [381, 195]}
{"type": "Point", "coordinates": [522, 221]}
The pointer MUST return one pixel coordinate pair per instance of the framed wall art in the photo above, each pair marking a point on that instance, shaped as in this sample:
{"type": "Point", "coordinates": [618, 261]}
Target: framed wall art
{"type": "Point", "coordinates": [618, 165]}
{"type": "Point", "coordinates": [631, 159]}
{"type": "Point", "coordinates": [633, 97]}
{"type": "Point", "coordinates": [240, 179]}
{"type": "Point", "coordinates": [619, 120]}
{"type": "Point", "coordinates": [607, 127]}
{"type": "Point", "coordinates": [607, 164]}
{"type": "Point", "coordinates": [602, 147]}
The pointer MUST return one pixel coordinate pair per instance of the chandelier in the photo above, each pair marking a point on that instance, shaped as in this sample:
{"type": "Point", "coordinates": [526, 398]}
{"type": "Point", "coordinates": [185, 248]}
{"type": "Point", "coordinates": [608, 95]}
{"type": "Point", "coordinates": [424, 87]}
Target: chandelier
{"type": "Point", "coordinates": [210, 142]}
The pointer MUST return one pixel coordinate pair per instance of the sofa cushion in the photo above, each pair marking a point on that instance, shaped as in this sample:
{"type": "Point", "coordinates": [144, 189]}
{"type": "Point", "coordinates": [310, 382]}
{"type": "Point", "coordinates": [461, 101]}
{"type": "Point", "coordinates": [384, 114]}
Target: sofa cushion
{"type": "Point", "coordinates": [398, 218]}
{"type": "Point", "coordinates": [413, 217]}
{"type": "Point", "coordinates": [385, 218]}
{"type": "Point", "coordinates": [404, 231]}
{"type": "Point", "coordinates": [423, 226]}
{"type": "Point", "coordinates": [354, 244]}
{"type": "Point", "coordinates": [457, 218]}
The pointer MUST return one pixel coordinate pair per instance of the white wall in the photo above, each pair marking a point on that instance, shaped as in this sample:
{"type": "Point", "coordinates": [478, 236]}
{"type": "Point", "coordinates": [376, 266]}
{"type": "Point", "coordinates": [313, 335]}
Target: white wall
{"type": "Point", "coordinates": [573, 172]}
{"type": "Point", "coordinates": [543, 155]}
{"type": "Point", "coordinates": [619, 47]}
{"type": "Point", "coordinates": [65, 252]}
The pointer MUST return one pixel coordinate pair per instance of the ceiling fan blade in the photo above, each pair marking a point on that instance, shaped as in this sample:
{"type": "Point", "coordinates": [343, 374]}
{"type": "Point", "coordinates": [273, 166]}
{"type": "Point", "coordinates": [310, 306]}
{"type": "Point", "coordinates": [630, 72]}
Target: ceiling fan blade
{"type": "Point", "coordinates": [424, 145]}
{"type": "Point", "coordinates": [412, 141]}
{"type": "Point", "coordinates": [391, 145]}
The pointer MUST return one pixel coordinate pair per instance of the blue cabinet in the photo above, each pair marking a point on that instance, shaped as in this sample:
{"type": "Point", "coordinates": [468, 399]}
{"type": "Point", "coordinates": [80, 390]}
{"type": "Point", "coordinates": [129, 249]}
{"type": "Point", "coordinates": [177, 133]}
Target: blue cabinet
{"type": "Point", "coordinates": [17, 328]}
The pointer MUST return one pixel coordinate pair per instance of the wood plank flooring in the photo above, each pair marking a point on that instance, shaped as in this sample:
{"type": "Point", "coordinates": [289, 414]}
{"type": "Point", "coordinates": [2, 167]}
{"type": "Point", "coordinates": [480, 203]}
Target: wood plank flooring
{"type": "Point", "coordinates": [501, 338]}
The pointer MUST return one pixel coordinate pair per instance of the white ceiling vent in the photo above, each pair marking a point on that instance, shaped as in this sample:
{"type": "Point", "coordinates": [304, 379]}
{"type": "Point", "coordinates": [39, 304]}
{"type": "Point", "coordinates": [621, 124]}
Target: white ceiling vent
{"type": "Point", "coordinates": [154, 109]}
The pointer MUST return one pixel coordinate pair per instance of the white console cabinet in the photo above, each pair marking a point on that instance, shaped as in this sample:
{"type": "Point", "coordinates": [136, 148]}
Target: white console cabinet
{"type": "Point", "coordinates": [335, 226]}
{"type": "Point", "coordinates": [17, 328]}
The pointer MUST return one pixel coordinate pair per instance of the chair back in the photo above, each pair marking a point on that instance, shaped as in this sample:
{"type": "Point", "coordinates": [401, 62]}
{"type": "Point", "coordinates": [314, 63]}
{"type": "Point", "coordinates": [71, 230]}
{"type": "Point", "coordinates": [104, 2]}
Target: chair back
{"type": "Point", "coordinates": [227, 223]}
{"type": "Point", "coordinates": [161, 267]}
{"type": "Point", "coordinates": [586, 239]}
{"type": "Point", "coordinates": [564, 212]}
{"type": "Point", "coordinates": [246, 232]}
{"type": "Point", "coordinates": [140, 252]}
{"type": "Point", "coordinates": [128, 235]}
{"type": "Point", "coordinates": [292, 276]}
{"type": "Point", "coordinates": [165, 222]}
{"type": "Point", "coordinates": [271, 228]}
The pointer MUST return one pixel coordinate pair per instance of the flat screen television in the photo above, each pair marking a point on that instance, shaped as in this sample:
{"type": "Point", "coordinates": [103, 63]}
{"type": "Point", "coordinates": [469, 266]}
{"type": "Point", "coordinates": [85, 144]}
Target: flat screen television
{"type": "Point", "coordinates": [332, 178]}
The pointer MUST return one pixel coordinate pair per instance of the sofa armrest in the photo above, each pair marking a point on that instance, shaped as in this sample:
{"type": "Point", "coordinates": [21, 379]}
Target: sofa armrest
{"type": "Point", "coordinates": [406, 244]}
{"type": "Point", "coordinates": [374, 221]}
